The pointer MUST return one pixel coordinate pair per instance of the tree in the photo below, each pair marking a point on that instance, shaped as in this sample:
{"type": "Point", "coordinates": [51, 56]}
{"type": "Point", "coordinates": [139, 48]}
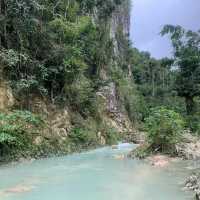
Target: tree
{"type": "Point", "coordinates": [186, 46]}
{"type": "Point", "coordinates": [164, 129]}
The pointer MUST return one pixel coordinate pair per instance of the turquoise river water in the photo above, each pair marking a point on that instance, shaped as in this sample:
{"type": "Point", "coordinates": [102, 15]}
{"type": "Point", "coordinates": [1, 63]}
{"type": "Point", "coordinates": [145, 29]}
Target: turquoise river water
{"type": "Point", "coordinates": [94, 175]}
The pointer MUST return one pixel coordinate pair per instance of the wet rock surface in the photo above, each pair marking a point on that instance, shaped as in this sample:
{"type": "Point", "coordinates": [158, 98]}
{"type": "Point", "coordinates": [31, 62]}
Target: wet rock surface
{"type": "Point", "coordinates": [190, 147]}
{"type": "Point", "coordinates": [159, 160]}
{"type": "Point", "coordinates": [193, 183]}
{"type": "Point", "coordinates": [111, 112]}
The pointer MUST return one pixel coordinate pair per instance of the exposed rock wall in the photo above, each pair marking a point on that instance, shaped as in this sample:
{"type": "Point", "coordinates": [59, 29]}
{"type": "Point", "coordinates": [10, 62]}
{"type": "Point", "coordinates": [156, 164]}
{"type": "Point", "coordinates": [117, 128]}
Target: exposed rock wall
{"type": "Point", "coordinates": [57, 119]}
{"type": "Point", "coordinates": [121, 17]}
{"type": "Point", "coordinates": [113, 114]}
{"type": "Point", "coordinates": [120, 20]}
{"type": "Point", "coordinates": [190, 147]}
{"type": "Point", "coordinates": [6, 96]}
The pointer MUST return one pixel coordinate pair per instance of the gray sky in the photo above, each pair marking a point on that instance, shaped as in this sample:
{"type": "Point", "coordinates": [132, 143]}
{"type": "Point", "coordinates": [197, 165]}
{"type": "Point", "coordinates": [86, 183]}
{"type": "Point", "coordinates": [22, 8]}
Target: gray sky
{"type": "Point", "coordinates": [149, 16]}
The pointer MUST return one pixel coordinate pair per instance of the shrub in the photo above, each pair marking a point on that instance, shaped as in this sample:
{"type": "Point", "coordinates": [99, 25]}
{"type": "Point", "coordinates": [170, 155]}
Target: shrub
{"type": "Point", "coordinates": [164, 129]}
{"type": "Point", "coordinates": [80, 95]}
{"type": "Point", "coordinates": [25, 74]}
{"type": "Point", "coordinates": [140, 152]}
{"type": "Point", "coordinates": [83, 136]}
{"type": "Point", "coordinates": [112, 137]}
{"type": "Point", "coordinates": [193, 123]}
{"type": "Point", "coordinates": [110, 134]}
{"type": "Point", "coordinates": [128, 96]}
{"type": "Point", "coordinates": [15, 130]}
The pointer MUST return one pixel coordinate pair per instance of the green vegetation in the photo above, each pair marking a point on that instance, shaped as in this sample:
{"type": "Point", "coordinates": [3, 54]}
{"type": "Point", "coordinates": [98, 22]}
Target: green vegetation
{"type": "Point", "coordinates": [83, 136]}
{"type": "Point", "coordinates": [193, 123]}
{"type": "Point", "coordinates": [141, 151]}
{"type": "Point", "coordinates": [46, 46]}
{"type": "Point", "coordinates": [187, 57]}
{"type": "Point", "coordinates": [165, 128]}
{"type": "Point", "coordinates": [17, 130]}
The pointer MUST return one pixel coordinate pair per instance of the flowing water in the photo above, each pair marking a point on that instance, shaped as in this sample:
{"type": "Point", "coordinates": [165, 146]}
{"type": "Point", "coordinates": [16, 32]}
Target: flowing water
{"type": "Point", "coordinates": [94, 175]}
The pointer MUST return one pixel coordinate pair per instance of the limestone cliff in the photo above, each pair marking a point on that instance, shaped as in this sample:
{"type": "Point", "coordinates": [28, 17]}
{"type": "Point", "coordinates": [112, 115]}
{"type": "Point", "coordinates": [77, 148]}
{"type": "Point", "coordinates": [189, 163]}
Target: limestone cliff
{"type": "Point", "coordinates": [114, 113]}
{"type": "Point", "coordinates": [121, 20]}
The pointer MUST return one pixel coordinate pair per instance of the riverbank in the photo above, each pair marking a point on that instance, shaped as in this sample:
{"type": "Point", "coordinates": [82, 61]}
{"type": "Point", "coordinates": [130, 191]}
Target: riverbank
{"type": "Point", "coordinates": [187, 149]}
{"type": "Point", "coordinates": [48, 153]}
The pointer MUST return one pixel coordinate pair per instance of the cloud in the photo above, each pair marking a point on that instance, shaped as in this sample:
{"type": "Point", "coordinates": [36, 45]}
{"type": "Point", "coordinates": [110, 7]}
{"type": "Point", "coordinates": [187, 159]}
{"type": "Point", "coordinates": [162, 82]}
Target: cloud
{"type": "Point", "coordinates": [149, 16]}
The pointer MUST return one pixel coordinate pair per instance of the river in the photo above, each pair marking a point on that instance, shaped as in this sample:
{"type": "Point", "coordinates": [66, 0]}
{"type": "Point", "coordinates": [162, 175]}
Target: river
{"type": "Point", "coordinates": [95, 175]}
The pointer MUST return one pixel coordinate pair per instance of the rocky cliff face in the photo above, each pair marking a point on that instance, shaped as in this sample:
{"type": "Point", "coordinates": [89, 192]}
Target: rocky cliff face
{"type": "Point", "coordinates": [111, 112]}
{"type": "Point", "coordinates": [121, 20]}
{"type": "Point", "coordinates": [6, 96]}
{"type": "Point", "coordinates": [121, 17]}
{"type": "Point", "coordinates": [116, 117]}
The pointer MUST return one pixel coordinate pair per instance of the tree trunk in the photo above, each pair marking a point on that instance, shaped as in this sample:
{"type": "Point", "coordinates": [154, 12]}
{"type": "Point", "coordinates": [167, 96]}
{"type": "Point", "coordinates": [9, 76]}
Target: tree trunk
{"type": "Point", "coordinates": [190, 105]}
{"type": "Point", "coordinates": [153, 83]}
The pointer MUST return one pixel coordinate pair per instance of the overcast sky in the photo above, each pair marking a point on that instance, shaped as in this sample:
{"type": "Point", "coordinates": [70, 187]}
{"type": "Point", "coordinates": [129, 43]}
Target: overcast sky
{"type": "Point", "coordinates": [149, 16]}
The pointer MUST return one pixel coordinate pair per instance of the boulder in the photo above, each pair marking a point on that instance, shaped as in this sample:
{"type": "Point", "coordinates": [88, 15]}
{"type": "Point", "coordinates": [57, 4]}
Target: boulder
{"type": "Point", "coordinates": [159, 160]}
{"type": "Point", "coordinates": [190, 147]}
{"type": "Point", "coordinates": [193, 183]}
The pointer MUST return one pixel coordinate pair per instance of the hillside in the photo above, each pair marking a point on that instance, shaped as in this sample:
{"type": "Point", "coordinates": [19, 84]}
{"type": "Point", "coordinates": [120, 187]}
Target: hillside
{"type": "Point", "coordinates": [65, 73]}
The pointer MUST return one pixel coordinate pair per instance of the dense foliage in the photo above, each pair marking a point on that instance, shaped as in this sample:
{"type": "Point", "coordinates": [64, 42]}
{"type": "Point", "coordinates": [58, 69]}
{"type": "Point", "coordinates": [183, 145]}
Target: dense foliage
{"type": "Point", "coordinates": [46, 47]}
{"type": "Point", "coordinates": [17, 130]}
{"type": "Point", "coordinates": [164, 129]}
{"type": "Point", "coordinates": [187, 58]}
